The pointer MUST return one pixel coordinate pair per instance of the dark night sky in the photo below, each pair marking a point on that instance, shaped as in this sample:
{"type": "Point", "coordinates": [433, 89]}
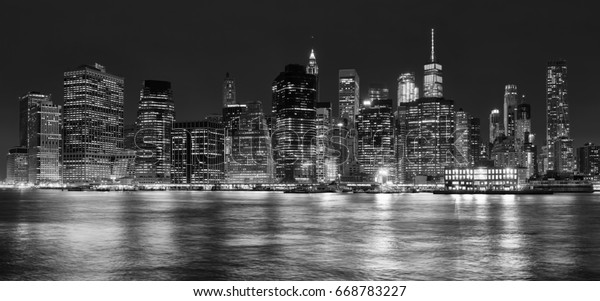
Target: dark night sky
{"type": "Point", "coordinates": [482, 45]}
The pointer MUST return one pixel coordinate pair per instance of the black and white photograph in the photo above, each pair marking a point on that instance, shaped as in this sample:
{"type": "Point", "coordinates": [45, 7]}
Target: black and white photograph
{"type": "Point", "coordinates": [347, 148]}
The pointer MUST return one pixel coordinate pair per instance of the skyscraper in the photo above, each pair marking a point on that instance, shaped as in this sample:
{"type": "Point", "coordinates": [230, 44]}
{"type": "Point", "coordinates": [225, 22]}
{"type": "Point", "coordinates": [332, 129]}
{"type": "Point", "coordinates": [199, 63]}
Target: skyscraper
{"type": "Point", "coordinates": [294, 99]}
{"type": "Point", "coordinates": [326, 169]}
{"type": "Point", "coordinates": [589, 159]}
{"type": "Point", "coordinates": [510, 106]}
{"type": "Point", "coordinates": [557, 119]}
{"type": "Point", "coordinates": [197, 152]}
{"type": "Point", "coordinates": [476, 152]}
{"type": "Point", "coordinates": [250, 159]}
{"type": "Point", "coordinates": [93, 123]}
{"type": "Point", "coordinates": [433, 74]}
{"type": "Point", "coordinates": [429, 135]}
{"type": "Point", "coordinates": [229, 92]}
{"type": "Point", "coordinates": [155, 117]}
{"type": "Point", "coordinates": [44, 142]}
{"type": "Point", "coordinates": [407, 89]}
{"type": "Point", "coordinates": [462, 139]}
{"type": "Point", "coordinates": [495, 125]}
{"type": "Point", "coordinates": [17, 170]}
{"type": "Point", "coordinates": [26, 102]}
{"type": "Point", "coordinates": [522, 124]}
{"type": "Point", "coordinates": [375, 129]}
{"type": "Point", "coordinates": [348, 94]}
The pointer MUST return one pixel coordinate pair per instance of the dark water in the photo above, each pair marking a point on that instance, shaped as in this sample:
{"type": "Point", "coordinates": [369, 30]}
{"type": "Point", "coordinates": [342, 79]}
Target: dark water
{"type": "Point", "coordinates": [53, 235]}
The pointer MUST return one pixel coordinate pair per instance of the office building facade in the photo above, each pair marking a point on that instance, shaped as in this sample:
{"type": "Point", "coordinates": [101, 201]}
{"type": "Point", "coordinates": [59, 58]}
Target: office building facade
{"type": "Point", "coordinates": [93, 124]}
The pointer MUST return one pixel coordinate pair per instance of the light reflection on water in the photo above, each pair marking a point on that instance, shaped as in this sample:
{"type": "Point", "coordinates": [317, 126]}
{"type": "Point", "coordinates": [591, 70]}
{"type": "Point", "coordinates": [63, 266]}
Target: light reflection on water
{"type": "Point", "coordinates": [53, 235]}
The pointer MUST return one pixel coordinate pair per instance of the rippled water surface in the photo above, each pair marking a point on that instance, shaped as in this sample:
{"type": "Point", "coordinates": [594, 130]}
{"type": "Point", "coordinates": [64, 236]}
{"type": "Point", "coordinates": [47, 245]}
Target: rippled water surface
{"type": "Point", "coordinates": [54, 235]}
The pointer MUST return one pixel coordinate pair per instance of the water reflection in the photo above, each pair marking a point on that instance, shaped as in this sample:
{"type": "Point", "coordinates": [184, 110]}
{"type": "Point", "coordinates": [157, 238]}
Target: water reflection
{"type": "Point", "coordinates": [53, 235]}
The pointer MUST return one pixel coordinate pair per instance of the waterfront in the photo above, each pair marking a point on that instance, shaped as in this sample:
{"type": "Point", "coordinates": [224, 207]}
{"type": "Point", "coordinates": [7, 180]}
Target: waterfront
{"type": "Point", "coordinates": [196, 235]}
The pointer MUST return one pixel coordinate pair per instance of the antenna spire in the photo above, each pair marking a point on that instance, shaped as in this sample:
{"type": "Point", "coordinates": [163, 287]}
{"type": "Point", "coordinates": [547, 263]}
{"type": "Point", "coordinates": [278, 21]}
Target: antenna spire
{"type": "Point", "coordinates": [432, 46]}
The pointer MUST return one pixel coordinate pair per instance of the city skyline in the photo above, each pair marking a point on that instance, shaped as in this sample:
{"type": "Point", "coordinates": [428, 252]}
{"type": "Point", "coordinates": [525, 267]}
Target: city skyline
{"type": "Point", "coordinates": [201, 87]}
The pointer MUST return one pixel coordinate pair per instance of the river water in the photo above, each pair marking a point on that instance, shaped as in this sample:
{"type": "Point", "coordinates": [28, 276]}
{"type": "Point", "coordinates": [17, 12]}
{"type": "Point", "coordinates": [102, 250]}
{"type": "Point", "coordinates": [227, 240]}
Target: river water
{"type": "Point", "coordinates": [183, 235]}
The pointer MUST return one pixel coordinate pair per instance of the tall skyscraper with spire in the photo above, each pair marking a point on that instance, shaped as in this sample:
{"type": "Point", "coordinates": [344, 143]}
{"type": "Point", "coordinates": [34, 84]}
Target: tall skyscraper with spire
{"type": "Point", "coordinates": [433, 74]}
{"type": "Point", "coordinates": [294, 104]}
{"type": "Point", "coordinates": [313, 68]}
{"type": "Point", "coordinates": [229, 90]}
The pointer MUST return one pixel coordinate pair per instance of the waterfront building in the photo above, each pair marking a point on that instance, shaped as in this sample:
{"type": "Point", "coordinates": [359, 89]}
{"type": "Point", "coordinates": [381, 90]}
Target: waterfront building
{"type": "Point", "coordinates": [249, 158]}
{"type": "Point", "coordinates": [294, 99]}
{"type": "Point", "coordinates": [483, 179]}
{"type": "Point", "coordinates": [510, 106]}
{"type": "Point", "coordinates": [93, 124]}
{"type": "Point", "coordinates": [589, 159]}
{"type": "Point", "coordinates": [17, 170]}
{"type": "Point", "coordinates": [407, 88]}
{"type": "Point", "coordinates": [229, 91]}
{"type": "Point", "coordinates": [44, 142]}
{"type": "Point", "coordinates": [376, 148]}
{"type": "Point", "coordinates": [198, 152]}
{"type": "Point", "coordinates": [560, 157]}
{"type": "Point", "coordinates": [433, 83]}
{"type": "Point", "coordinates": [155, 117]}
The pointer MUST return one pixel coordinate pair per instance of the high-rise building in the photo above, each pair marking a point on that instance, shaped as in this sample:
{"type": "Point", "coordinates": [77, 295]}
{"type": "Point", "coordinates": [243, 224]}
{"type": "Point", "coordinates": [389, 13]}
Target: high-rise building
{"type": "Point", "coordinates": [433, 74]}
{"type": "Point", "coordinates": [155, 117]}
{"type": "Point", "coordinates": [249, 160]}
{"type": "Point", "coordinates": [522, 124]}
{"type": "Point", "coordinates": [477, 153]}
{"type": "Point", "coordinates": [229, 92]}
{"type": "Point", "coordinates": [510, 106]}
{"type": "Point", "coordinates": [524, 139]}
{"type": "Point", "coordinates": [17, 170]}
{"type": "Point", "coordinates": [495, 125]}
{"type": "Point", "coordinates": [348, 94]}
{"type": "Point", "coordinates": [589, 159]}
{"type": "Point", "coordinates": [294, 99]}
{"type": "Point", "coordinates": [27, 102]}
{"type": "Point", "coordinates": [197, 152]}
{"type": "Point", "coordinates": [44, 142]}
{"type": "Point", "coordinates": [378, 92]}
{"type": "Point", "coordinates": [376, 148]}
{"type": "Point", "coordinates": [467, 140]}
{"type": "Point", "coordinates": [407, 89]}
{"type": "Point", "coordinates": [93, 124]}
{"type": "Point", "coordinates": [429, 135]}
{"type": "Point", "coordinates": [564, 161]}
{"type": "Point", "coordinates": [557, 119]}
{"type": "Point", "coordinates": [462, 139]}
{"type": "Point", "coordinates": [326, 167]}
